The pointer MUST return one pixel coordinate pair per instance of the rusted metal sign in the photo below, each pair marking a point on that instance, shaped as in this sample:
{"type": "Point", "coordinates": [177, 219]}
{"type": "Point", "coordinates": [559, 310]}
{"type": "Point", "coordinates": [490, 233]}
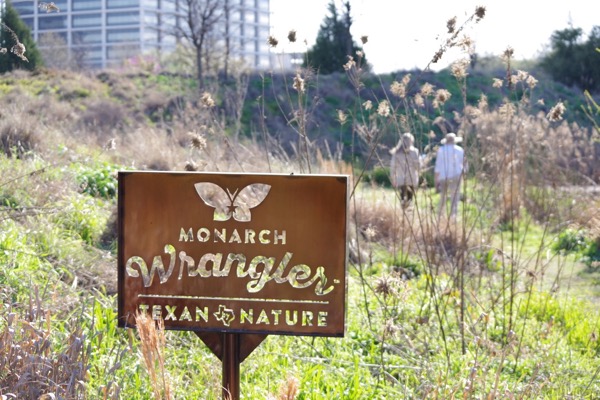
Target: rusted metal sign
{"type": "Point", "coordinates": [239, 253]}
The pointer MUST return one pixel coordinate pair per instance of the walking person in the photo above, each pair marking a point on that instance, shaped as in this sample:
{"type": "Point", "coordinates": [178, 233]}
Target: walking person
{"type": "Point", "coordinates": [449, 164]}
{"type": "Point", "coordinates": [405, 167]}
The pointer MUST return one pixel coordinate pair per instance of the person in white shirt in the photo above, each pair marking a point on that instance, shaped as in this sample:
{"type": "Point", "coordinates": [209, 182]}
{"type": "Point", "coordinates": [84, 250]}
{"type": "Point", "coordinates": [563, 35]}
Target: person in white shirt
{"type": "Point", "coordinates": [449, 165]}
{"type": "Point", "coordinates": [404, 168]}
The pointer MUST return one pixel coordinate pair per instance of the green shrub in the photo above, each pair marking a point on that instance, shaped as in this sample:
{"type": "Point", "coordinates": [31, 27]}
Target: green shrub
{"type": "Point", "coordinates": [379, 176]}
{"type": "Point", "coordinates": [570, 241]}
{"type": "Point", "coordinates": [591, 256]}
{"type": "Point", "coordinates": [99, 181]}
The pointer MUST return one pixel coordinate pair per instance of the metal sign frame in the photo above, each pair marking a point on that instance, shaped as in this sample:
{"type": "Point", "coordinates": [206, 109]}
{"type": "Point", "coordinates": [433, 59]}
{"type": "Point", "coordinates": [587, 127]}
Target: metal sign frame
{"type": "Point", "coordinates": [233, 257]}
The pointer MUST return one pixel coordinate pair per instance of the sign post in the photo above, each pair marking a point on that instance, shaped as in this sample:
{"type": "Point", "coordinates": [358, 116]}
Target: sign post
{"type": "Point", "coordinates": [233, 257]}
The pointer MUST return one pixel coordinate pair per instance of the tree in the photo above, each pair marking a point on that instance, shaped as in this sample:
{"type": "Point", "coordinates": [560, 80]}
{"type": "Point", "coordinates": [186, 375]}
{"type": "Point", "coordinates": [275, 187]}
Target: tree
{"type": "Point", "coordinates": [572, 60]}
{"type": "Point", "coordinates": [334, 44]}
{"type": "Point", "coordinates": [17, 43]}
{"type": "Point", "coordinates": [201, 19]}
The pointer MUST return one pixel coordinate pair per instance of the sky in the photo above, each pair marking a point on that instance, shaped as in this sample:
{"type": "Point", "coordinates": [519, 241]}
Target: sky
{"type": "Point", "coordinates": [405, 35]}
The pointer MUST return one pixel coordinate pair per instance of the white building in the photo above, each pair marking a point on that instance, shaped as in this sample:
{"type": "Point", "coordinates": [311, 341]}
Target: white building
{"type": "Point", "coordinates": [104, 33]}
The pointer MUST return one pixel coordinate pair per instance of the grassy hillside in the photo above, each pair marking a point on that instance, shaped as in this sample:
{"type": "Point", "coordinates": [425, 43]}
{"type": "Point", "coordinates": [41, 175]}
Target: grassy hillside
{"type": "Point", "coordinates": [500, 302]}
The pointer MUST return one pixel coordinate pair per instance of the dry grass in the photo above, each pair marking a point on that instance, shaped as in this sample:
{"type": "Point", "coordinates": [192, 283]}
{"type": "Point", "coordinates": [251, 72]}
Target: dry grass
{"type": "Point", "coordinates": [32, 364]}
{"type": "Point", "coordinates": [153, 347]}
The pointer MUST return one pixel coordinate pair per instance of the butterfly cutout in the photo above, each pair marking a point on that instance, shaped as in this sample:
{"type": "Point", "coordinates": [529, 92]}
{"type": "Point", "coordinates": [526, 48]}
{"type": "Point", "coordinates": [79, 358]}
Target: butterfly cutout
{"type": "Point", "coordinates": [236, 204]}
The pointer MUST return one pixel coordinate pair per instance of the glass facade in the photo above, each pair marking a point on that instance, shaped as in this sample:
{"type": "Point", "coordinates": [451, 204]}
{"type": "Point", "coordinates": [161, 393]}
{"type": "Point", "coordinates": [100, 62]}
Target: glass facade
{"type": "Point", "coordinates": [99, 33]}
{"type": "Point", "coordinates": [86, 20]}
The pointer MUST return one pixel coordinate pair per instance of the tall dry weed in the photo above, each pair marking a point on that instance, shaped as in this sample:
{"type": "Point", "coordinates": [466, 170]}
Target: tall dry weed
{"type": "Point", "coordinates": [32, 364]}
{"type": "Point", "coordinates": [153, 346]}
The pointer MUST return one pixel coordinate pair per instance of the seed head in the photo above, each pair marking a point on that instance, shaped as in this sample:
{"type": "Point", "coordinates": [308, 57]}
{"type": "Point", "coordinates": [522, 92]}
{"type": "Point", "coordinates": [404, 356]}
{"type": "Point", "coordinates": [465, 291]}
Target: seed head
{"type": "Point", "coordinates": [497, 83]}
{"type": "Point", "coordinates": [427, 89]}
{"type": "Point", "coordinates": [191, 166]}
{"type": "Point", "coordinates": [441, 97]}
{"type": "Point", "coordinates": [508, 54]}
{"type": "Point", "coordinates": [419, 100]}
{"type": "Point", "coordinates": [207, 100]}
{"type": "Point", "coordinates": [292, 36]}
{"type": "Point", "coordinates": [367, 105]}
{"type": "Point", "coordinates": [459, 68]}
{"type": "Point", "coordinates": [531, 82]}
{"type": "Point", "coordinates": [272, 41]}
{"type": "Point", "coordinates": [342, 117]}
{"type": "Point", "coordinates": [49, 7]}
{"type": "Point", "coordinates": [398, 89]}
{"type": "Point", "coordinates": [298, 83]}
{"type": "Point", "coordinates": [197, 141]}
{"type": "Point", "coordinates": [383, 108]}
{"type": "Point", "coordinates": [451, 25]}
{"type": "Point", "coordinates": [479, 13]}
{"type": "Point", "coordinates": [350, 64]}
{"type": "Point", "coordinates": [19, 50]}
{"type": "Point", "coordinates": [556, 112]}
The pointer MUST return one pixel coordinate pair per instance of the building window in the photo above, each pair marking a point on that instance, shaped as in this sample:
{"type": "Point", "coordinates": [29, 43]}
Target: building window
{"type": "Point", "coordinates": [126, 18]}
{"type": "Point", "coordinates": [84, 20]}
{"type": "Point", "coordinates": [151, 19]}
{"type": "Point", "coordinates": [23, 7]}
{"type": "Point", "coordinates": [61, 4]}
{"type": "Point", "coordinates": [52, 39]}
{"type": "Point", "coordinates": [154, 4]}
{"type": "Point", "coordinates": [122, 3]}
{"type": "Point", "coordinates": [86, 4]}
{"type": "Point", "coordinates": [263, 18]}
{"type": "Point", "coordinates": [54, 22]}
{"type": "Point", "coordinates": [90, 53]}
{"type": "Point", "coordinates": [123, 35]}
{"type": "Point", "coordinates": [86, 37]}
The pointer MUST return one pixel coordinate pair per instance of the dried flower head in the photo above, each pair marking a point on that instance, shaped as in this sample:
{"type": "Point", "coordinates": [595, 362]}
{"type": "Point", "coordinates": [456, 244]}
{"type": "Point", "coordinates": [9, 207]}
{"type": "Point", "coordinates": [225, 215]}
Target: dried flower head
{"type": "Point", "coordinates": [390, 328]}
{"type": "Point", "coordinates": [427, 89]}
{"type": "Point", "coordinates": [342, 117]}
{"type": "Point", "coordinates": [272, 41]}
{"type": "Point", "coordinates": [451, 25]}
{"type": "Point", "coordinates": [298, 83]}
{"type": "Point", "coordinates": [19, 50]}
{"type": "Point", "coordinates": [398, 89]}
{"type": "Point", "coordinates": [49, 7]}
{"type": "Point", "coordinates": [419, 100]}
{"type": "Point", "coordinates": [556, 112]}
{"type": "Point", "coordinates": [292, 36]}
{"type": "Point", "coordinates": [508, 54]}
{"type": "Point", "coordinates": [459, 68]}
{"type": "Point", "coordinates": [359, 54]}
{"type": "Point", "coordinates": [207, 100]}
{"type": "Point", "coordinates": [197, 141]}
{"type": "Point", "coordinates": [383, 108]}
{"type": "Point", "coordinates": [191, 166]}
{"type": "Point", "coordinates": [367, 105]}
{"type": "Point", "coordinates": [370, 232]}
{"type": "Point", "coordinates": [441, 97]}
{"type": "Point", "coordinates": [479, 13]}
{"type": "Point", "coordinates": [350, 64]}
{"type": "Point", "coordinates": [3, 50]}
{"type": "Point", "coordinates": [386, 285]}
{"type": "Point", "coordinates": [437, 56]}
{"type": "Point", "coordinates": [497, 83]}
{"type": "Point", "coordinates": [531, 82]}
